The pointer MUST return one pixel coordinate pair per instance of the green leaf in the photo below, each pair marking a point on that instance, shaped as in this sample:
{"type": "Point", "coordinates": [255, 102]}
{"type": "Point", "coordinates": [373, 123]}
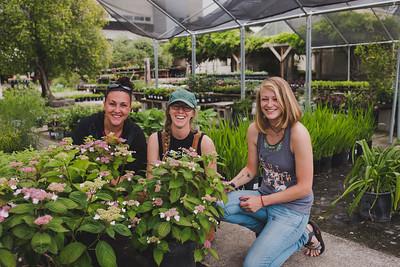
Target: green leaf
{"type": "Point", "coordinates": [83, 261]}
{"type": "Point", "coordinates": [72, 252]}
{"type": "Point", "coordinates": [145, 207]}
{"type": "Point", "coordinates": [141, 228]}
{"type": "Point", "coordinates": [59, 239]}
{"type": "Point", "coordinates": [174, 195]}
{"type": "Point", "coordinates": [163, 229]}
{"type": "Point", "coordinates": [7, 259]}
{"type": "Point", "coordinates": [15, 220]}
{"type": "Point", "coordinates": [105, 254]}
{"type": "Point", "coordinates": [29, 220]}
{"type": "Point", "coordinates": [158, 256]}
{"type": "Point", "coordinates": [204, 222]}
{"type": "Point", "coordinates": [7, 241]}
{"type": "Point", "coordinates": [198, 255]}
{"type": "Point", "coordinates": [41, 242]}
{"type": "Point", "coordinates": [68, 203]}
{"type": "Point", "coordinates": [176, 233]}
{"type": "Point", "coordinates": [79, 197]}
{"type": "Point", "coordinates": [110, 231]}
{"type": "Point", "coordinates": [1, 230]}
{"type": "Point", "coordinates": [122, 229]}
{"type": "Point", "coordinates": [53, 246]}
{"type": "Point", "coordinates": [175, 183]}
{"type": "Point", "coordinates": [56, 226]}
{"type": "Point", "coordinates": [23, 231]}
{"type": "Point", "coordinates": [186, 234]}
{"type": "Point", "coordinates": [92, 227]}
{"type": "Point", "coordinates": [104, 196]}
{"type": "Point", "coordinates": [213, 253]}
{"type": "Point", "coordinates": [183, 221]}
{"type": "Point", "coordinates": [23, 208]}
{"type": "Point", "coordinates": [56, 206]}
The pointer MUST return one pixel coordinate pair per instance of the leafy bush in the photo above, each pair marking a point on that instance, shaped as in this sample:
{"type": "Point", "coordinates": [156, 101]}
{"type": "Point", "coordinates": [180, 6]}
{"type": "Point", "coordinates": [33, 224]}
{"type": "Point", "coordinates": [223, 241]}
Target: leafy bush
{"type": "Point", "coordinates": [231, 145]}
{"type": "Point", "coordinates": [19, 113]}
{"type": "Point", "coordinates": [62, 192]}
{"type": "Point", "coordinates": [151, 120]}
{"type": "Point", "coordinates": [332, 133]}
{"type": "Point", "coordinates": [179, 205]}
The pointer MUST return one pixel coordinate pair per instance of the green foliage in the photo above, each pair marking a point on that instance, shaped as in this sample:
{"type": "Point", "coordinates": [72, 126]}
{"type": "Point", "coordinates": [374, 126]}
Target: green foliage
{"type": "Point", "coordinates": [20, 109]}
{"type": "Point", "coordinates": [53, 195]}
{"type": "Point", "coordinates": [179, 204]}
{"type": "Point", "coordinates": [378, 62]}
{"type": "Point", "coordinates": [127, 53]}
{"type": "Point", "coordinates": [332, 133]}
{"type": "Point", "coordinates": [52, 37]}
{"type": "Point", "coordinates": [377, 170]}
{"type": "Point", "coordinates": [151, 120]}
{"type": "Point", "coordinates": [222, 45]}
{"type": "Point", "coordinates": [231, 144]}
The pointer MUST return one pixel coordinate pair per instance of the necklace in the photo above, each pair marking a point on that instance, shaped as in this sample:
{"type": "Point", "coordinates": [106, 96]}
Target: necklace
{"type": "Point", "coordinates": [278, 145]}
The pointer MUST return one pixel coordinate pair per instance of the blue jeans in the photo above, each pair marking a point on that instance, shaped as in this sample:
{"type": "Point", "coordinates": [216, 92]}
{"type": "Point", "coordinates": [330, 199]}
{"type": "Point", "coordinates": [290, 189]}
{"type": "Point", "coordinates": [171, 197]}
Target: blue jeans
{"type": "Point", "coordinates": [281, 231]}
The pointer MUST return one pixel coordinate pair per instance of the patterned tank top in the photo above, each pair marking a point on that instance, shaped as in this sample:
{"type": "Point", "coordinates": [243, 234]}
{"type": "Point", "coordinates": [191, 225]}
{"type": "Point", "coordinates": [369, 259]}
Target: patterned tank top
{"type": "Point", "coordinates": [277, 163]}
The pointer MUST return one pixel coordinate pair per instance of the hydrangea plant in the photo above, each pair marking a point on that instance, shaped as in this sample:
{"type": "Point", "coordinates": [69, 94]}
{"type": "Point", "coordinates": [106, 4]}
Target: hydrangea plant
{"type": "Point", "coordinates": [68, 189]}
{"type": "Point", "coordinates": [179, 205]}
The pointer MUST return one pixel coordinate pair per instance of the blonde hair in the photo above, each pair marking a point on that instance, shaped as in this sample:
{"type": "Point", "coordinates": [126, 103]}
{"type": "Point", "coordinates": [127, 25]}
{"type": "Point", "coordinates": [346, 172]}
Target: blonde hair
{"type": "Point", "coordinates": [290, 109]}
{"type": "Point", "coordinates": [167, 128]}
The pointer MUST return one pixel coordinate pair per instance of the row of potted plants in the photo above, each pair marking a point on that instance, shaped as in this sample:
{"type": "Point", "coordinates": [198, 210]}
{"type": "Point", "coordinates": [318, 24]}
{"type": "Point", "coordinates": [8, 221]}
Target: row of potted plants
{"type": "Point", "coordinates": [335, 133]}
{"type": "Point", "coordinates": [373, 184]}
{"type": "Point", "coordinates": [54, 198]}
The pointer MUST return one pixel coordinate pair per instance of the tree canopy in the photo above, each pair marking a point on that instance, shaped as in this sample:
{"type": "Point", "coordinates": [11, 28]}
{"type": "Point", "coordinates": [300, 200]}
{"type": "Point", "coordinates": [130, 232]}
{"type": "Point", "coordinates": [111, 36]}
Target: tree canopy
{"type": "Point", "coordinates": [127, 52]}
{"type": "Point", "coordinates": [223, 45]}
{"type": "Point", "coordinates": [52, 37]}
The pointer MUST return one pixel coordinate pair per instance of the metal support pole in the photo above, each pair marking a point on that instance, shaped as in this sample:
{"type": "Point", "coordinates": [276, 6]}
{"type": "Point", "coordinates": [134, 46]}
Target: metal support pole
{"type": "Point", "coordinates": [308, 62]}
{"type": "Point", "coordinates": [348, 62]}
{"type": "Point", "coordinates": [193, 54]}
{"type": "Point", "coordinates": [242, 64]}
{"type": "Point", "coordinates": [155, 48]}
{"type": "Point", "coordinates": [395, 100]}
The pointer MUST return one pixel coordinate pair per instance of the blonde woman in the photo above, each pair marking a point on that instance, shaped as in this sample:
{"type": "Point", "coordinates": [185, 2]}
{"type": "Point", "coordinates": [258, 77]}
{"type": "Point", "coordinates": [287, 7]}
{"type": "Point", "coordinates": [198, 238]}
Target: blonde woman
{"type": "Point", "coordinates": [279, 211]}
{"type": "Point", "coordinates": [178, 132]}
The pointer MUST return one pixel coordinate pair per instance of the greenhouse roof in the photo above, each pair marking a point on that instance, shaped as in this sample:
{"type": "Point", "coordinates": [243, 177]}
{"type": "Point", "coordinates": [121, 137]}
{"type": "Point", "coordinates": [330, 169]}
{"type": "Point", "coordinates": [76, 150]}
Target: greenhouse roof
{"type": "Point", "coordinates": [334, 22]}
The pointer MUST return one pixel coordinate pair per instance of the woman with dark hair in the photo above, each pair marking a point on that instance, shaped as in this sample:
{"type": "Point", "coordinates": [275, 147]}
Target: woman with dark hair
{"type": "Point", "coordinates": [115, 119]}
{"type": "Point", "coordinates": [280, 146]}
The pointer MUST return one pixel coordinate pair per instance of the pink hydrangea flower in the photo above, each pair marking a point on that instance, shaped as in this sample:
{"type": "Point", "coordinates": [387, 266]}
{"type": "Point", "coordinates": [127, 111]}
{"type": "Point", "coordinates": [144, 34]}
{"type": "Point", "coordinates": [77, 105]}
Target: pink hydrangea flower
{"type": "Point", "coordinates": [4, 212]}
{"type": "Point", "coordinates": [157, 202]}
{"type": "Point", "coordinates": [43, 220]}
{"type": "Point", "coordinates": [170, 213]}
{"type": "Point", "coordinates": [104, 173]}
{"type": "Point", "coordinates": [36, 194]}
{"type": "Point", "coordinates": [105, 160]}
{"type": "Point", "coordinates": [28, 169]}
{"type": "Point", "coordinates": [199, 209]}
{"type": "Point", "coordinates": [207, 244]}
{"type": "Point", "coordinates": [56, 187]}
{"type": "Point", "coordinates": [16, 164]}
{"type": "Point", "coordinates": [33, 162]}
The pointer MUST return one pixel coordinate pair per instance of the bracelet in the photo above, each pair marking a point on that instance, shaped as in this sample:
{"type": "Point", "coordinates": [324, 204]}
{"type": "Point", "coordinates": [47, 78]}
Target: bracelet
{"type": "Point", "coordinates": [262, 201]}
{"type": "Point", "coordinates": [233, 185]}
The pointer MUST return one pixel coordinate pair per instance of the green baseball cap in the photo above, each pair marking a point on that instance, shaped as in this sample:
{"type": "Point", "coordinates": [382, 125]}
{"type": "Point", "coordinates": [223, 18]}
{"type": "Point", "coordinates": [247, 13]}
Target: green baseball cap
{"type": "Point", "coordinates": [182, 95]}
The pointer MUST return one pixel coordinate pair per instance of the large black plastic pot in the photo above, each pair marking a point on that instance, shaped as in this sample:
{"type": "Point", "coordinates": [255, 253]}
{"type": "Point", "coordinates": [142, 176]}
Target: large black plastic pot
{"type": "Point", "coordinates": [340, 159]}
{"type": "Point", "coordinates": [323, 165]}
{"type": "Point", "coordinates": [376, 207]}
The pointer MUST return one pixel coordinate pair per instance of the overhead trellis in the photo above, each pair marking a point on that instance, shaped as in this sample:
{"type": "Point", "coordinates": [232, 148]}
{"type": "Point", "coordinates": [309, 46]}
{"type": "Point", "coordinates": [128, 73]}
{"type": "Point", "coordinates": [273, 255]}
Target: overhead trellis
{"type": "Point", "coordinates": [321, 23]}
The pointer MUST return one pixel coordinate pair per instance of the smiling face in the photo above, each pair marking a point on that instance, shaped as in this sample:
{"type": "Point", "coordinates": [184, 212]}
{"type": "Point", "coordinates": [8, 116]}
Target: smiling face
{"type": "Point", "coordinates": [181, 115]}
{"type": "Point", "coordinates": [117, 106]}
{"type": "Point", "coordinates": [270, 106]}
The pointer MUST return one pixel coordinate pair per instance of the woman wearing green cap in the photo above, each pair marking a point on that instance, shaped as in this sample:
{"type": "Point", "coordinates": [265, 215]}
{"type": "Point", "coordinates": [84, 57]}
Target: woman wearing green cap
{"type": "Point", "coordinates": [178, 131]}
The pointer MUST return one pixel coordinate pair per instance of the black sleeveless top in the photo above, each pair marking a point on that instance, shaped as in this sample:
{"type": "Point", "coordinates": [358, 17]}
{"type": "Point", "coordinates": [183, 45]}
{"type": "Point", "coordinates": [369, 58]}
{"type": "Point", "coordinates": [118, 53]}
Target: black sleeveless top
{"type": "Point", "coordinates": [176, 144]}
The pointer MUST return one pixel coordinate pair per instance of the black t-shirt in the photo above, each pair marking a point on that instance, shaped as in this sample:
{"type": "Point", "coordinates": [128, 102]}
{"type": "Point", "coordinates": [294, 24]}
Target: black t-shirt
{"type": "Point", "coordinates": [176, 144]}
{"type": "Point", "coordinates": [94, 126]}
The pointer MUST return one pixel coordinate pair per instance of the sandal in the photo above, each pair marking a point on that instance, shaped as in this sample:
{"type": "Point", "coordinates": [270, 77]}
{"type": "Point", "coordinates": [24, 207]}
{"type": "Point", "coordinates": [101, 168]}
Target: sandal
{"type": "Point", "coordinates": [318, 235]}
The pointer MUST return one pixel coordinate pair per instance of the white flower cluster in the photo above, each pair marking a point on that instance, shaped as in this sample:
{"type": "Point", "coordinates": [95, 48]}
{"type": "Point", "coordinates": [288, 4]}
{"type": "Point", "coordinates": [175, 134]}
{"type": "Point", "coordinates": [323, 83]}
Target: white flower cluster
{"type": "Point", "coordinates": [110, 215]}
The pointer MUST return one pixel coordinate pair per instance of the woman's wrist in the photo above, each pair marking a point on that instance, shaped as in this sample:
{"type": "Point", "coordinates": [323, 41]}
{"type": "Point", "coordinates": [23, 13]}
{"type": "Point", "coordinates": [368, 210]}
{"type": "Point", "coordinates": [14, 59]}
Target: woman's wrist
{"type": "Point", "coordinates": [233, 185]}
{"type": "Point", "coordinates": [262, 200]}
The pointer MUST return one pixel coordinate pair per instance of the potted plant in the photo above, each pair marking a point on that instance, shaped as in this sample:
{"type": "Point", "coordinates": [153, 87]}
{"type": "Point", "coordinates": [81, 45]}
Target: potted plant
{"type": "Point", "coordinates": [178, 210]}
{"type": "Point", "coordinates": [62, 192]}
{"type": "Point", "coordinates": [374, 181]}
